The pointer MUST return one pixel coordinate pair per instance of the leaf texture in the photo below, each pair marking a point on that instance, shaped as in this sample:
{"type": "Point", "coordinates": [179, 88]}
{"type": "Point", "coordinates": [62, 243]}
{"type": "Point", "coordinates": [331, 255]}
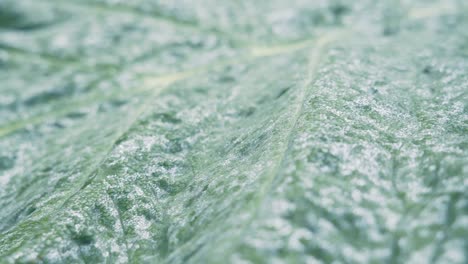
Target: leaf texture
{"type": "Point", "coordinates": [233, 131]}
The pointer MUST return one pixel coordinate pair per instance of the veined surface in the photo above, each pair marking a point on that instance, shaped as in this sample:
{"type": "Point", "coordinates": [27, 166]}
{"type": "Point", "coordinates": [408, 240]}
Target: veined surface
{"type": "Point", "coordinates": [237, 131]}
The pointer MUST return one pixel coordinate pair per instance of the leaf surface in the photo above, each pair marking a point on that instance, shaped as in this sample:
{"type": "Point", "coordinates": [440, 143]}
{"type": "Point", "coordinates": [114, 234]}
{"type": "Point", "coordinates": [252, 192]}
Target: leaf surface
{"type": "Point", "coordinates": [250, 131]}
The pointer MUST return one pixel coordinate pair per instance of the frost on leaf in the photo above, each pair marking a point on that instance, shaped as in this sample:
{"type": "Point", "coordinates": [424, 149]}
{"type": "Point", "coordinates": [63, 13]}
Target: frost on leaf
{"type": "Point", "coordinates": [250, 131]}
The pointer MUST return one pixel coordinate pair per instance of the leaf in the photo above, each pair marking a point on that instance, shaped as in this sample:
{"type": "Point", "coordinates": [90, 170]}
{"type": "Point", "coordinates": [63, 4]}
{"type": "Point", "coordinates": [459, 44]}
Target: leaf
{"type": "Point", "coordinates": [238, 131]}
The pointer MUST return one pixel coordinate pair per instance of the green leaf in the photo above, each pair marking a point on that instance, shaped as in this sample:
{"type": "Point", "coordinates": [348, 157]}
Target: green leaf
{"type": "Point", "coordinates": [233, 131]}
